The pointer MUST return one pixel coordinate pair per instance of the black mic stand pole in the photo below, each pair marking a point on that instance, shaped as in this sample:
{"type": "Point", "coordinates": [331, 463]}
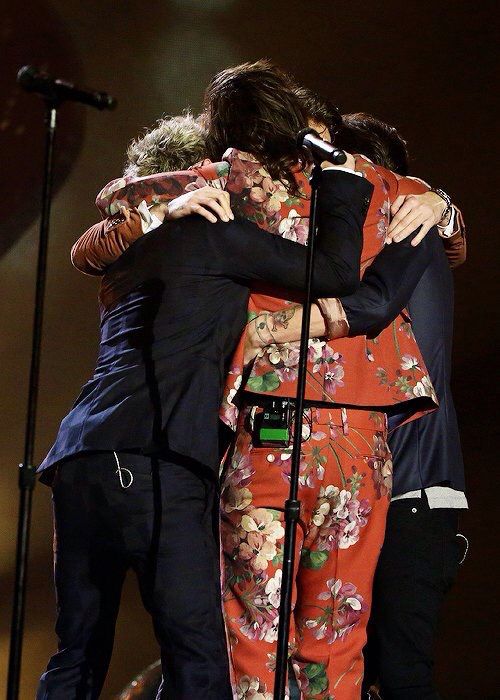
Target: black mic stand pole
{"type": "Point", "coordinates": [27, 468]}
{"type": "Point", "coordinates": [292, 505]}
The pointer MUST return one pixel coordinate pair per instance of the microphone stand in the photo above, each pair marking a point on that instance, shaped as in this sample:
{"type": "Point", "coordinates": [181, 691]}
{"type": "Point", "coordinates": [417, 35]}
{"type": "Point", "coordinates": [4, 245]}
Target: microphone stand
{"type": "Point", "coordinates": [292, 505]}
{"type": "Point", "coordinates": [27, 469]}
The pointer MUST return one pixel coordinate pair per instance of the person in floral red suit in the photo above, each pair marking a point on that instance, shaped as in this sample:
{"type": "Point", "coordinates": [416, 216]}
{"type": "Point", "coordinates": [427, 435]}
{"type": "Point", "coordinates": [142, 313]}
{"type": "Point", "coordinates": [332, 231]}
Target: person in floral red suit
{"type": "Point", "coordinates": [345, 477]}
{"type": "Point", "coordinates": [135, 461]}
{"type": "Point", "coordinates": [345, 484]}
{"type": "Point", "coordinates": [421, 533]}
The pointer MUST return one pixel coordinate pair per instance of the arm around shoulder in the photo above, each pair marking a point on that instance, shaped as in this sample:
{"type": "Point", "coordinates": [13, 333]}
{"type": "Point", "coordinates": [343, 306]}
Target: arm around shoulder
{"type": "Point", "coordinates": [388, 284]}
{"type": "Point", "coordinates": [241, 250]}
{"type": "Point", "coordinates": [103, 243]}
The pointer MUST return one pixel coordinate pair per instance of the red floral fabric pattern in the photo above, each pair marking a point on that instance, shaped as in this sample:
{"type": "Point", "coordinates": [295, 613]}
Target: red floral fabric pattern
{"type": "Point", "coordinates": [163, 187]}
{"type": "Point", "coordinates": [381, 372]}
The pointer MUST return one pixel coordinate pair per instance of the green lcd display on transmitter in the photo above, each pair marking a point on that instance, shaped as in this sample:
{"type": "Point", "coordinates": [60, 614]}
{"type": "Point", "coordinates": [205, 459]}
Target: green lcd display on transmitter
{"type": "Point", "coordinates": [273, 424]}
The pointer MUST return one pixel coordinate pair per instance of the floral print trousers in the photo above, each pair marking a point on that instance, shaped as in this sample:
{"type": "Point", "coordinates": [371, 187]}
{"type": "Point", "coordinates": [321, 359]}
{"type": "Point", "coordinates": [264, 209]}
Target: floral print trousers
{"type": "Point", "coordinates": [345, 481]}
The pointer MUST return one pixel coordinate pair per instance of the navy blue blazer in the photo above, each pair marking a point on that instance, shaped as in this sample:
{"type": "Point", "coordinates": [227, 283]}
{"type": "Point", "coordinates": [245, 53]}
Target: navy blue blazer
{"type": "Point", "coordinates": [178, 306]}
{"type": "Point", "coordinates": [425, 452]}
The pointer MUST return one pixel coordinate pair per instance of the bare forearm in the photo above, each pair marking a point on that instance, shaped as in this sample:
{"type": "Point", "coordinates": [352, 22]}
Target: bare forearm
{"type": "Point", "coordinates": [286, 325]}
{"type": "Point", "coordinates": [279, 327]}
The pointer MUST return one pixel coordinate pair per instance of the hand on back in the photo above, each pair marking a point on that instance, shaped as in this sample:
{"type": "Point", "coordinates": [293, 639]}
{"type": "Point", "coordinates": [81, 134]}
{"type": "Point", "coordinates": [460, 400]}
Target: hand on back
{"type": "Point", "coordinates": [411, 211]}
{"type": "Point", "coordinates": [211, 203]}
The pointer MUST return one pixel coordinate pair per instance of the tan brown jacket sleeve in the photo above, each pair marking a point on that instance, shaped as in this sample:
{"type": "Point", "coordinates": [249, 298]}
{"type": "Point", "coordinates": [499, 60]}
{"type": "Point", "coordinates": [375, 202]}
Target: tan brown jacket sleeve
{"type": "Point", "coordinates": [103, 243]}
{"type": "Point", "coordinates": [455, 246]}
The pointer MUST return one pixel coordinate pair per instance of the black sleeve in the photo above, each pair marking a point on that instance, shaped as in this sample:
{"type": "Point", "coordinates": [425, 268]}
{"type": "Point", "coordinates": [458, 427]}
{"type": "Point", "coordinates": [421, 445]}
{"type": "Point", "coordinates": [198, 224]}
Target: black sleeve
{"type": "Point", "coordinates": [388, 284]}
{"type": "Point", "coordinates": [243, 252]}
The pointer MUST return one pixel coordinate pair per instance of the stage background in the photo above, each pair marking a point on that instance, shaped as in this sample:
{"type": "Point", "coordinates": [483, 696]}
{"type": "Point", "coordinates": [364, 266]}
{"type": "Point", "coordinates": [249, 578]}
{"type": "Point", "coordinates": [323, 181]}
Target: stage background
{"type": "Point", "coordinates": [426, 67]}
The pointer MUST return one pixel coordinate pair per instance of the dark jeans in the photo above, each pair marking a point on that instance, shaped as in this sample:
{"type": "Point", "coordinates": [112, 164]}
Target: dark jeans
{"type": "Point", "coordinates": [417, 566]}
{"type": "Point", "coordinates": [162, 527]}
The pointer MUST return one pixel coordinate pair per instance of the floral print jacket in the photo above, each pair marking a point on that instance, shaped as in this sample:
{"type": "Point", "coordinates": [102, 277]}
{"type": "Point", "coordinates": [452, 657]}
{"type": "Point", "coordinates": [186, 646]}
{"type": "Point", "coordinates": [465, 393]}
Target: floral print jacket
{"type": "Point", "coordinates": [380, 372]}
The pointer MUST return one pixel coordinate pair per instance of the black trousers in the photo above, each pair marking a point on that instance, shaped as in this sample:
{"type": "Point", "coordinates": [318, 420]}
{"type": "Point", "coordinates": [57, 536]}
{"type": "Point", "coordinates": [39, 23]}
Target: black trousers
{"type": "Point", "coordinates": [162, 526]}
{"type": "Point", "coordinates": [417, 566]}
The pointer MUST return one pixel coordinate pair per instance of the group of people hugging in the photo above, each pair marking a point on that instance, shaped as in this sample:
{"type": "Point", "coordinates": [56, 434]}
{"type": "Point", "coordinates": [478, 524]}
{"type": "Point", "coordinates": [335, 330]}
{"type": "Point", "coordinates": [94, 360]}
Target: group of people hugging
{"type": "Point", "coordinates": [161, 465]}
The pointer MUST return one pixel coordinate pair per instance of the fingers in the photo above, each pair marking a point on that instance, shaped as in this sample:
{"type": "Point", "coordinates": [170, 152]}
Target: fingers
{"type": "Point", "coordinates": [219, 204]}
{"type": "Point", "coordinates": [202, 211]}
{"type": "Point", "coordinates": [400, 220]}
{"type": "Point", "coordinates": [214, 205]}
{"type": "Point", "coordinates": [409, 213]}
{"type": "Point", "coordinates": [405, 228]}
{"type": "Point", "coordinates": [422, 223]}
{"type": "Point", "coordinates": [209, 196]}
{"type": "Point", "coordinates": [205, 201]}
{"type": "Point", "coordinates": [396, 205]}
{"type": "Point", "coordinates": [224, 200]}
{"type": "Point", "coordinates": [216, 200]}
{"type": "Point", "coordinates": [426, 227]}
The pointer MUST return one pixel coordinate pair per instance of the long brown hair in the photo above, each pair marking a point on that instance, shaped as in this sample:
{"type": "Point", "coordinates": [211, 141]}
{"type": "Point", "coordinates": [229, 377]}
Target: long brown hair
{"type": "Point", "coordinates": [320, 109]}
{"type": "Point", "coordinates": [381, 142]}
{"type": "Point", "coordinates": [253, 107]}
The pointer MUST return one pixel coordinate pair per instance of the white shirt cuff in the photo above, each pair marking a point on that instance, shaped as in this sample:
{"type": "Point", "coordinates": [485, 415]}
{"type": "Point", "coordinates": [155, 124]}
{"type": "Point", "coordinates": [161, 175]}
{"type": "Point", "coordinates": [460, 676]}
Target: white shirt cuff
{"type": "Point", "coordinates": [448, 230]}
{"type": "Point", "coordinates": [149, 221]}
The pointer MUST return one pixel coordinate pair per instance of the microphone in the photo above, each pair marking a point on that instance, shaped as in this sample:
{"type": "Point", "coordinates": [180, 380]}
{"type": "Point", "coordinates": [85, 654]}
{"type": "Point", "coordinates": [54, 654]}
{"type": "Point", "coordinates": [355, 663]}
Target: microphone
{"type": "Point", "coordinates": [56, 90]}
{"type": "Point", "coordinates": [320, 149]}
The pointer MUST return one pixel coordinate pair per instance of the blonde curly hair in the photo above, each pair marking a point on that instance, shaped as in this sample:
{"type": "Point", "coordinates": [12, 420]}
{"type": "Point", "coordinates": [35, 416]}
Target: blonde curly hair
{"type": "Point", "coordinates": [175, 143]}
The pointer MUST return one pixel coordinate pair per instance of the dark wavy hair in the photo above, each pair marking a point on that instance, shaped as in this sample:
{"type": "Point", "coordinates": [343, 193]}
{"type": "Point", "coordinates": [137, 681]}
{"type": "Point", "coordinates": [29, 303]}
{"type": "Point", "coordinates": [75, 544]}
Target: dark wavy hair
{"type": "Point", "coordinates": [382, 143]}
{"type": "Point", "coordinates": [254, 107]}
{"type": "Point", "coordinates": [320, 109]}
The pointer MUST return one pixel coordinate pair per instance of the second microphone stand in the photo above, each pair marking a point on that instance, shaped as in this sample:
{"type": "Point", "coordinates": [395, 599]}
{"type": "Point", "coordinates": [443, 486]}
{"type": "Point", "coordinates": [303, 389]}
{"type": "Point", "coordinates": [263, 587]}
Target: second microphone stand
{"type": "Point", "coordinates": [26, 468]}
{"type": "Point", "coordinates": [292, 505]}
